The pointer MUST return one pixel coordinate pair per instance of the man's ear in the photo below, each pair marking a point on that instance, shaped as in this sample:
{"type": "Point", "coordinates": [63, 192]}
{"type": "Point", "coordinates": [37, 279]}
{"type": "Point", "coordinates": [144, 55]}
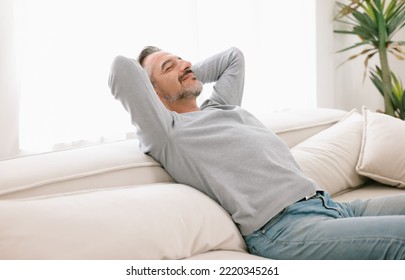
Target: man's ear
{"type": "Point", "coordinates": [159, 95]}
{"type": "Point", "coordinates": [155, 88]}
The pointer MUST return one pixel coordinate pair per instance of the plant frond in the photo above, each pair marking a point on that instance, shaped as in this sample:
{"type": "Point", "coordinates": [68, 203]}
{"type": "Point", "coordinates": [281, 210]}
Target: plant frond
{"type": "Point", "coordinates": [357, 45]}
{"type": "Point", "coordinates": [396, 93]}
{"type": "Point", "coordinates": [368, 8]}
{"type": "Point", "coordinates": [346, 22]}
{"type": "Point", "coordinates": [396, 22]}
{"type": "Point", "coordinates": [396, 85]}
{"type": "Point", "coordinates": [396, 49]}
{"type": "Point", "coordinates": [398, 55]}
{"type": "Point", "coordinates": [366, 33]}
{"type": "Point", "coordinates": [345, 32]}
{"type": "Point", "coordinates": [346, 10]}
{"type": "Point", "coordinates": [403, 105]}
{"type": "Point", "coordinates": [374, 5]}
{"type": "Point", "coordinates": [369, 56]}
{"type": "Point", "coordinates": [375, 76]}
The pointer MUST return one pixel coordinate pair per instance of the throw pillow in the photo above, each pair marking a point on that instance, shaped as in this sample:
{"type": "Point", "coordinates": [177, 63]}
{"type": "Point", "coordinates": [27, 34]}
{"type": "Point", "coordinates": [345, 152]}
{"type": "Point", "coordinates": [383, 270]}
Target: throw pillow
{"type": "Point", "coordinates": [330, 157]}
{"type": "Point", "coordinates": [382, 155]}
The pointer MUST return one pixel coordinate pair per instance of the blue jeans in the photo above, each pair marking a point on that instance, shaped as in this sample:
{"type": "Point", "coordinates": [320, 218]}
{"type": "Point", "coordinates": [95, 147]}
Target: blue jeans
{"type": "Point", "coordinates": [320, 228]}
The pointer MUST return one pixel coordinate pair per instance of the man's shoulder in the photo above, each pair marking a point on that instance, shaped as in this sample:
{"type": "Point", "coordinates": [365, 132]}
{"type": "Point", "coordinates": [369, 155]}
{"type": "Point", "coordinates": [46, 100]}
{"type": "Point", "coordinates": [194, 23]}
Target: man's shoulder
{"type": "Point", "coordinates": [212, 104]}
{"type": "Point", "coordinates": [208, 103]}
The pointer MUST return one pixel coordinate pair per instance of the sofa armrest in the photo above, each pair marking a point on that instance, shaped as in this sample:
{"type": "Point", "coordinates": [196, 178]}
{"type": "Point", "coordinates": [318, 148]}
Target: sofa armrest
{"type": "Point", "coordinates": [100, 166]}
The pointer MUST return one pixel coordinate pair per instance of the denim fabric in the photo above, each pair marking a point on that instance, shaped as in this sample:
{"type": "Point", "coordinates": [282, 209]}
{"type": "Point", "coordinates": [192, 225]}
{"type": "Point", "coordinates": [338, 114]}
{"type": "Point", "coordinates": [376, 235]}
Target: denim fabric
{"type": "Point", "coordinates": [320, 228]}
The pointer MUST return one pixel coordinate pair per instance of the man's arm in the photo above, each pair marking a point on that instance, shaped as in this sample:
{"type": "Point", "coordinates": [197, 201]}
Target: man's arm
{"type": "Point", "coordinates": [130, 84]}
{"type": "Point", "coordinates": [227, 70]}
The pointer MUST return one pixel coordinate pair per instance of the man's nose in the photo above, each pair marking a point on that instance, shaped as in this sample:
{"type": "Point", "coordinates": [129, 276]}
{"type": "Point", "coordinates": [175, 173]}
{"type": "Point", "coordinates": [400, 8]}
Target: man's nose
{"type": "Point", "coordinates": [185, 65]}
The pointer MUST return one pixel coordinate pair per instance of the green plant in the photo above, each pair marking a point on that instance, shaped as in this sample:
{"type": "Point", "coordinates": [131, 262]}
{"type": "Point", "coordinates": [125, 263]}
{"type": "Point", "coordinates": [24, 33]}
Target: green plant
{"type": "Point", "coordinates": [397, 91]}
{"type": "Point", "coordinates": [375, 22]}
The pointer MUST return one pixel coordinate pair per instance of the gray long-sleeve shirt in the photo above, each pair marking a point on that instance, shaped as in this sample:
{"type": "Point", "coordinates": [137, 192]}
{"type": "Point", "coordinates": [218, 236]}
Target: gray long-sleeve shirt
{"type": "Point", "coordinates": [222, 150]}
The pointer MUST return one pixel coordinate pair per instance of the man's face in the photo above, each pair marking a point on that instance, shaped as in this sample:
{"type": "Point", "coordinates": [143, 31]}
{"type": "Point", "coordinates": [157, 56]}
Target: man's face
{"type": "Point", "coordinates": [171, 77]}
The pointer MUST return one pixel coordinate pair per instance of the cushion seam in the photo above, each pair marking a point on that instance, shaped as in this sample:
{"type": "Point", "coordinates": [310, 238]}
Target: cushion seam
{"type": "Point", "coordinates": [306, 126]}
{"type": "Point", "coordinates": [77, 176]}
{"type": "Point", "coordinates": [363, 142]}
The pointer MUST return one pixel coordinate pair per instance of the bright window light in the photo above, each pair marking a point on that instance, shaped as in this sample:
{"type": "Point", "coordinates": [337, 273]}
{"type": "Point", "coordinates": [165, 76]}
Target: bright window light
{"type": "Point", "coordinates": [66, 49]}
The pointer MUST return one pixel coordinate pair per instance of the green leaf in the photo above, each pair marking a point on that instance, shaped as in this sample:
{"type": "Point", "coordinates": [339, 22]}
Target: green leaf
{"type": "Point", "coordinates": [401, 109]}
{"type": "Point", "coordinates": [345, 32]}
{"type": "Point", "coordinates": [356, 45]}
{"type": "Point", "coordinates": [396, 22]}
{"type": "Point", "coordinates": [396, 86]}
{"type": "Point", "coordinates": [395, 101]}
{"type": "Point", "coordinates": [390, 10]}
{"type": "Point", "coordinates": [376, 79]}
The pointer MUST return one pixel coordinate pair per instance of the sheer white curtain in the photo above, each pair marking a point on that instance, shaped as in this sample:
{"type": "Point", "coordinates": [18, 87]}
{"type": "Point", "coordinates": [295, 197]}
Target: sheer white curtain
{"type": "Point", "coordinates": [8, 83]}
{"type": "Point", "coordinates": [65, 49]}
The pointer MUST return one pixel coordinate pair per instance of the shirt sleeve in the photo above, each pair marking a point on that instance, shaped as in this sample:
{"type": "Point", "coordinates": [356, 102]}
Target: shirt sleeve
{"type": "Point", "coordinates": [130, 85]}
{"type": "Point", "coordinates": [227, 70]}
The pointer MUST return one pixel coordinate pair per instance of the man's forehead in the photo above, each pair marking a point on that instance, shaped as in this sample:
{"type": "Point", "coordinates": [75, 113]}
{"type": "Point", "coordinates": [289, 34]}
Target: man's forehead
{"type": "Point", "coordinates": [156, 59]}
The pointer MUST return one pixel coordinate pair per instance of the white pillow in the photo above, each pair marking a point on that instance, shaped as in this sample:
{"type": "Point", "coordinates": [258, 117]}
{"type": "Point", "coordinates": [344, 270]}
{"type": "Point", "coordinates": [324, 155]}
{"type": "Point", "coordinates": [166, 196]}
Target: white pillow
{"type": "Point", "coordinates": [165, 221]}
{"type": "Point", "coordinates": [330, 157]}
{"type": "Point", "coordinates": [382, 156]}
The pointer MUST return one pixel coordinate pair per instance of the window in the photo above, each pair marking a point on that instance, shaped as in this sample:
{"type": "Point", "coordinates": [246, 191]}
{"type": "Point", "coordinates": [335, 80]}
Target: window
{"type": "Point", "coordinates": [66, 49]}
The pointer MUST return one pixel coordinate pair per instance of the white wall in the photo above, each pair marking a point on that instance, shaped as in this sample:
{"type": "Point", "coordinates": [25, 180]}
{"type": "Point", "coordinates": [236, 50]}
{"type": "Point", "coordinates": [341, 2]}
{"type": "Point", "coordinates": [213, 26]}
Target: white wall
{"type": "Point", "coordinates": [325, 47]}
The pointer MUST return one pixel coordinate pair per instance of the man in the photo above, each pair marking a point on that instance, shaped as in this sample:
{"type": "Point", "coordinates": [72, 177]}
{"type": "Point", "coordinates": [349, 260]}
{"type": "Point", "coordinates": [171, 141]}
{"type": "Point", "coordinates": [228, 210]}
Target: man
{"type": "Point", "coordinates": [225, 152]}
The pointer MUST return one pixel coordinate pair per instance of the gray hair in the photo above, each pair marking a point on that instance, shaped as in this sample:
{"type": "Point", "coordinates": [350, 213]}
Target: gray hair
{"type": "Point", "coordinates": [148, 50]}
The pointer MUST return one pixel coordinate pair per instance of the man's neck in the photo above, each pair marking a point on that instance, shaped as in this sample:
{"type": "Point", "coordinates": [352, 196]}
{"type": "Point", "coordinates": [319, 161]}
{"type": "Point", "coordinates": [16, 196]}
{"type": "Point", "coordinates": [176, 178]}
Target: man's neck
{"type": "Point", "coordinates": [184, 106]}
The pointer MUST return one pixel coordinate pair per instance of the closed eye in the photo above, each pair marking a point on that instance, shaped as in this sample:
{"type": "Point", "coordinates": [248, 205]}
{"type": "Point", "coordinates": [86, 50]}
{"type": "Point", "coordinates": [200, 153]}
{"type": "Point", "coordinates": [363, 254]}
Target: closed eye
{"type": "Point", "coordinates": [169, 64]}
{"type": "Point", "coordinates": [170, 67]}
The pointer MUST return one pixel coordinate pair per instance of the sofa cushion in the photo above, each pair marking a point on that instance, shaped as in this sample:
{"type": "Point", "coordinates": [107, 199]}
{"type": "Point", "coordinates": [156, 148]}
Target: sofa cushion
{"type": "Point", "coordinates": [330, 156]}
{"type": "Point", "coordinates": [371, 189]}
{"type": "Point", "coordinates": [159, 221]}
{"type": "Point", "coordinates": [226, 255]}
{"type": "Point", "coordinates": [100, 166]}
{"type": "Point", "coordinates": [382, 155]}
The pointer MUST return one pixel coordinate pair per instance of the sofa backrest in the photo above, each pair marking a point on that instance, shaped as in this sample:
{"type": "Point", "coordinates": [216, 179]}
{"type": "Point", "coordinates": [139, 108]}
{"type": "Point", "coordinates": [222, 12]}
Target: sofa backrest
{"type": "Point", "coordinates": [123, 164]}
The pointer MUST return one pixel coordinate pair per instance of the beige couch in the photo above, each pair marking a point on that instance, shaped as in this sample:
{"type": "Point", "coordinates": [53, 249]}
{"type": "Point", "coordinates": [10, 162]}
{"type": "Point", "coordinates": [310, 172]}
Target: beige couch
{"type": "Point", "coordinates": [111, 201]}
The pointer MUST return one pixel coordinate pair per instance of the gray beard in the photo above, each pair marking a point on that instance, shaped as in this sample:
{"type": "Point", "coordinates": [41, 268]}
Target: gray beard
{"type": "Point", "coordinates": [190, 92]}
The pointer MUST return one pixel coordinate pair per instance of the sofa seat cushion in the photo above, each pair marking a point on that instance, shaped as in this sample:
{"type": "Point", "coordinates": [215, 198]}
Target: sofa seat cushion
{"type": "Point", "coordinates": [225, 255]}
{"type": "Point", "coordinates": [371, 189]}
{"type": "Point", "coordinates": [159, 221]}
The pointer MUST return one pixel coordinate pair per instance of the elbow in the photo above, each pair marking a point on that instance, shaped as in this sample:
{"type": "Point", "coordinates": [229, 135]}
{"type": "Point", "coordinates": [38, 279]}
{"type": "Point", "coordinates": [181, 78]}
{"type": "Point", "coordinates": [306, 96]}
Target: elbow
{"type": "Point", "coordinates": [120, 63]}
{"type": "Point", "coordinates": [118, 69]}
{"type": "Point", "coordinates": [122, 69]}
{"type": "Point", "coordinates": [237, 53]}
{"type": "Point", "coordinates": [237, 57]}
